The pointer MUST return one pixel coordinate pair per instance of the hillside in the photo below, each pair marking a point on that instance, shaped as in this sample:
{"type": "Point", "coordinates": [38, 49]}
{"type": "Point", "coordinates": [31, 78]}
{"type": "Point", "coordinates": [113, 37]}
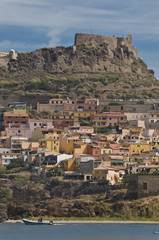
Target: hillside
{"type": "Point", "coordinates": [22, 199]}
{"type": "Point", "coordinates": [95, 66]}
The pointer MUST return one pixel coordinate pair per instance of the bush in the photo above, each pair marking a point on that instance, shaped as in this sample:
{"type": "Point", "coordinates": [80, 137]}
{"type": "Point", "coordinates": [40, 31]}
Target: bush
{"type": "Point", "coordinates": [5, 194]}
{"type": "Point", "coordinates": [15, 163]}
{"type": "Point", "coordinates": [103, 182]}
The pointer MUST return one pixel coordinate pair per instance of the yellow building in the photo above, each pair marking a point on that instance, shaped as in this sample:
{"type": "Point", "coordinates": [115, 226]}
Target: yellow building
{"type": "Point", "coordinates": [106, 150]}
{"type": "Point", "coordinates": [80, 148]}
{"type": "Point", "coordinates": [137, 148]}
{"type": "Point", "coordinates": [51, 142]}
{"type": "Point", "coordinates": [67, 143]}
{"type": "Point", "coordinates": [82, 115]}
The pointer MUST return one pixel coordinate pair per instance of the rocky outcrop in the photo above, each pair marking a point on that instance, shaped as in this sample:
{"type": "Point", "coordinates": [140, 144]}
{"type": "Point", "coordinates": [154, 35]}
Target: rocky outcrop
{"type": "Point", "coordinates": [30, 199]}
{"type": "Point", "coordinates": [90, 53]}
{"type": "Point", "coordinates": [104, 67]}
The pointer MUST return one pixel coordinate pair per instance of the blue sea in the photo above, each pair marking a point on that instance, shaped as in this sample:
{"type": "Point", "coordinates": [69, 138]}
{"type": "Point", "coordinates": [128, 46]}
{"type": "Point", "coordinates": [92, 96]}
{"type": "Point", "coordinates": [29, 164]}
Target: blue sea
{"type": "Point", "coordinates": [78, 231]}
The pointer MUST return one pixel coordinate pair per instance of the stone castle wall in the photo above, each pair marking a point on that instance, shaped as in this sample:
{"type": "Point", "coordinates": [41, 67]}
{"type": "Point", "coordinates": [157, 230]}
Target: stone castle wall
{"type": "Point", "coordinates": [143, 186]}
{"type": "Point", "coordinates": [112, 42]}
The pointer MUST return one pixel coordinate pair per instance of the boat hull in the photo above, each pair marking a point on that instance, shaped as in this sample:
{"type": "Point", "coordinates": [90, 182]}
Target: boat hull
{"type": "Point", "coordinates": [30, 222]}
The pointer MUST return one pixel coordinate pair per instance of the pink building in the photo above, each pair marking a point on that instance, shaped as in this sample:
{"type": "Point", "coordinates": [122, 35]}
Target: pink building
{"type": "Point", "coordinates": [68, 105]}
{"type": "Point", "coordinates": [108, 119]}
{"type": "Point", "coordinates": [19, 130]}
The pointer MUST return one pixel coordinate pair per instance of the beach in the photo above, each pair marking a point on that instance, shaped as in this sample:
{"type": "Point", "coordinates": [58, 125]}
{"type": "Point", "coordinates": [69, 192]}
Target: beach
{"type": "Point", "coordinates": [92, 221]}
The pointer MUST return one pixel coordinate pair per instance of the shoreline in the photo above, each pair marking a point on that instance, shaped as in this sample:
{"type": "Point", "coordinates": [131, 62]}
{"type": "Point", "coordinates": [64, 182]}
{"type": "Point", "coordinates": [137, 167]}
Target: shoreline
{"type": "Point", "coordinates": [92, 221]}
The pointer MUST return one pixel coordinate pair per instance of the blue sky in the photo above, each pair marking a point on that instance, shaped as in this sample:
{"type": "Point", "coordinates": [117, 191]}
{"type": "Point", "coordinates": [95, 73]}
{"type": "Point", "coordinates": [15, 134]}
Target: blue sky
{"type": "Point", "coordinates": [26, 25]}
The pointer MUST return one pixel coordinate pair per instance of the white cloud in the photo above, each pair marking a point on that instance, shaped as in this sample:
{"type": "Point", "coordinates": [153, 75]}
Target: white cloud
{"type": "Point", "coordinates": [20, 46]}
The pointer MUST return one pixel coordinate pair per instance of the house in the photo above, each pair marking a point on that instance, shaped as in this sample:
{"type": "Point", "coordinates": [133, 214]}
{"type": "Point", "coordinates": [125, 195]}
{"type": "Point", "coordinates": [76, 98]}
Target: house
{"type": "Point", "coordinates": [62, 120]}
{"type": "Point", "coordinates": [51, 142]}
{"type": "Point", "coordinates": [54, 158]}
{"type": "Point", "coordinates": [83, 115]}
{"type": "Point", "coordinates": [139, 168]}
{"type": "Point", "coordinates": [139, 147]}
{"type": "Point", "coordinates": [133, 135]}
{"type": "Point", "coordinates": [82, 130]}
{"type": "Point", "coordinates": [15, 118]}
{"type": "Point", "coordinates": [143, 186]}
{"type": "Point", "coordinates": [16, 143]}
{"type": "Point", "coordinates": [18, 130]}
{"type": "Point", "coordinates": [67, 143]}
{"type": "Point", "coordinates": [69, 165]}
{"type": "Point", "coordinates": [137, 116]}
{"type": "Point", "coordinates": [153, 117]}
{"type": "Point", "coordinates": [6, 158]}
{"type": "Point", "coordinates": [112, 174]}
{"type": "Point", "coordinates": [68, 105]}
{"type": "Point", "coordinates": [108, 119]}
{"type": "Point", "coordinates": [80, 148]}
{"type": "Point", "coordinates": [84, 163]}
{"type": "Point", "coordinates": [94, 150]}
{"type": "Point", "coordinates": [40, 123]}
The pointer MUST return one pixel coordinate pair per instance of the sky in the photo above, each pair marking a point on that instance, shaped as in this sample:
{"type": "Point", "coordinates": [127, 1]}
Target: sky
{"type": "Point", "coordinates": [27, 25]}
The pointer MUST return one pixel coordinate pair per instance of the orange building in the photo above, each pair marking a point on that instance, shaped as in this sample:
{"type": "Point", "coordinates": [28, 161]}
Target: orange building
{"type": "Point", "coordinates": [69, 164]}
{"type": "Point", "coordinates": [94, 150]}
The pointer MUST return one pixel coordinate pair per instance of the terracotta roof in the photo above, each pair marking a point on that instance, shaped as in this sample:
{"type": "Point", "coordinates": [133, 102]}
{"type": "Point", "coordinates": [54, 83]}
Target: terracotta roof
{"type": "Point", "coordinates": [14, 114]}
{"type": "Point", "coordinates": [13, 154]}
{"type": "Point", "coordinates": [40, 120]}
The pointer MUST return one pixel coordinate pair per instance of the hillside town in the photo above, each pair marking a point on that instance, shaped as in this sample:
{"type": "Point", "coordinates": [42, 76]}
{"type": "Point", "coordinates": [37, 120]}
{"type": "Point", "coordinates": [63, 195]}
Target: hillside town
{"type": "Point", "coordinates": [80, 140]}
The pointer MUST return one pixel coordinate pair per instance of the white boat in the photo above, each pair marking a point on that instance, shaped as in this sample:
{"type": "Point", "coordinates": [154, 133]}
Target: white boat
{"type": "Point", "coordinates": [31, 222]}
{"type": "Point", "coordinates": [154, 232]}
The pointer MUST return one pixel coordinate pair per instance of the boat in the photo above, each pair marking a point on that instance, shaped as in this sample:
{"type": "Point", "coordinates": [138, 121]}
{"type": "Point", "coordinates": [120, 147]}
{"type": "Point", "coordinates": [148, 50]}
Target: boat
{"type": "Point", "coordinates": [154, 232]}
{"type": "Point", "coordinates": [31, 222]}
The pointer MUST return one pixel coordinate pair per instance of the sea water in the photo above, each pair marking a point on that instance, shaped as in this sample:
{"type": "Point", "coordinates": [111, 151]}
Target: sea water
{"type": "Point", "coordinates": [78, 231]}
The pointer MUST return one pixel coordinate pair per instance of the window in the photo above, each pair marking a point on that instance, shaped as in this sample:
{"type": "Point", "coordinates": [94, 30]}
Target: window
{"type": "Point", "coordinates": [34, 124]}
{"type": "Point", "coordinates": [144, 186]}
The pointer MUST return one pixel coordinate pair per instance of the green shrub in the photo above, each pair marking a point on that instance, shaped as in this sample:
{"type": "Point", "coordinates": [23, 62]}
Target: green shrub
{"type": "Point", "coordinates": [113, 78]}
{"type": "Point", "coordinates": [5, 194]}
{"type": "Point", "coordinates": [15, 163]}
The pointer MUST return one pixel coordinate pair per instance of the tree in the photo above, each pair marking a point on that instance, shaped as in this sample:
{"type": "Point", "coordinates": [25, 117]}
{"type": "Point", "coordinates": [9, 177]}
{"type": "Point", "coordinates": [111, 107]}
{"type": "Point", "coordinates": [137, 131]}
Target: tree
{"type": "Point", "coordinates": [15, 163]}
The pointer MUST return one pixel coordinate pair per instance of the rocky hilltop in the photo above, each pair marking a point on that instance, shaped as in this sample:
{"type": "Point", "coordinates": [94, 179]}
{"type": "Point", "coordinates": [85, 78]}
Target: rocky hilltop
{"type": "Point", "coordinates": [95, 66]}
